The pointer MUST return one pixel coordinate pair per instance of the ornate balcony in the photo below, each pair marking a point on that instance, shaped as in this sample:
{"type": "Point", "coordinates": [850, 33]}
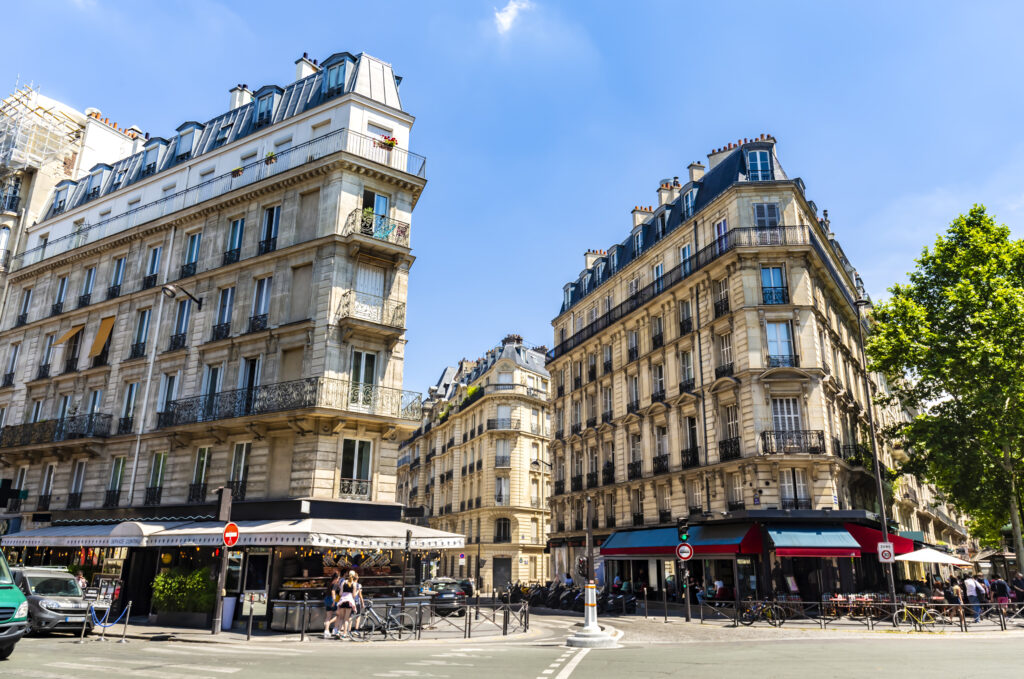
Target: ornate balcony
{"type": "Point", "coordinates": [796, 503]}
{"type": "Point", "coordinates": [724, 370]}
{"type": "Point", "coordinates": [664, 515]}
{"type": "Point", "coordinates": [721, 306]}
{"type": "Point", "coordinates": [658, 396]}
{"type": "Point", "coordinates": [266, 245]}
{"type": "Point", "coordinates": [138, 350]}
{"type": "Point", "coordinates": [114, 291]}
{"type": "Point", "coordinates": [608, 474]}
{"type": "Point", "coordinates": [112, 498]}
{"type": "Point", "coordinates": [685, 326]}
{"type": "Point", "coordinates": [592, 479]}
{"type": "Point", "coordinates": [591, 422]}
{"type": "Point", "coordinates": [374, 311]}
{"type": "Point", "coordinates": [230, 256]}
{"type": "Point", "coordinates": [607, 367]}
{"type": "Point", "coordinates": [696, 510]}
{"type": "Point", "coordinates": [8, 380]}
{"type": "Point", "coordinates": [377, 230]}
{"type": "Point", "coordinates": [690, 457]}
{"type": "Point", "coordinates": [148, 281]}
{"type": "Point", "coordinates": [606, 417]}
{"type": "Point", "coordinates": [502, 423]}
{"type": "Point", "coordinates": [221, 331]}
{"type": "Point", "coordinates": [153, 496]}
{"type": "Point", "coordinates": [634, 470]}
{"type": "Point", "coordinates": [101, 359]}
{"type": "Point", "coordinates": [125, 425]}
{"type": "Point", "coordinates": [56, 308]}
{"type": "Point", "coordinates": [43, 371]}
{"type": "Point", "coordinates": [729, 449]}
{"type": "Point", "coordinates": [74, 501]}
{"type": "Point", "coordinates": [632, 406]}
{"type": "Point", "coordinates": [798, 441]}
{"type": "Point", "coordinates": [633, 353]}
{"type": "Point", "coordinates": [312, 392]}
{"type": "Point", "coordinates": [354, 489]}
{"type": "Point", "coordinates": [502, 461]}
{"type": "Point", "coordinates": [577, 482]}
{"type": "Point", "coordinates": [736, 505]}
{"type": "Point", "coordinates": [661, 464]}
{"type": "Point", "coordinates": [775, 295]}
{"type": "Point", "coordinates": [43, 503]}
{"type": "Point", "coordinates": [21, 320]}
{"type": "Point", "coordinates": [686, 386]}
{"type": "Point", "coordinates": [84, 300]}
{"type": "Point", "coordinates": [638, 518]}
{"type": "Point", "coordinates": [95, 425]}
{"type": "Point", "coordinates": [196, 493]}
{"type": "Point", "coordinates": [657, 340]}
{"type": "Point", "coordinates": [177, 342]}
{"type": "Point", "coordinates": [784, 361]}
{"type": "Point", "coordinates": [237, 489]}
{"type": "Point", "coordinates": [187, 270]}
{"type": "Point", "coordinates": [559, 487]}
{"type": "Point", "coordinates": [257, 323]}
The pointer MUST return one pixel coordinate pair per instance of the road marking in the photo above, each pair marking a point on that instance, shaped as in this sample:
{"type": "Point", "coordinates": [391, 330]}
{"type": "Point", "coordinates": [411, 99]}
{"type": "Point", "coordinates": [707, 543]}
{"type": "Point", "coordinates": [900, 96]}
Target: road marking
{"type": "Point", "coordinates": [178, 666]}
{"type": "Point", "coordinates": [567, 670]}
{"type": "Point", "coordinates": [441, 663]}
{"type": "Point", "coordinates": [222, 649]}
{"type": "Point", "coordinates": [135, 671]}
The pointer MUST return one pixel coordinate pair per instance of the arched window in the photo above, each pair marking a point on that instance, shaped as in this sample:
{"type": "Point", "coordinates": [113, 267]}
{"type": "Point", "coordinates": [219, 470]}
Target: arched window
{"type": "Point", "coordinates": [503, 530]}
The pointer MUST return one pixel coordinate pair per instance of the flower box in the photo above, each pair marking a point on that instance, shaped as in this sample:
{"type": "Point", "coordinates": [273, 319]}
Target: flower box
{"type": "Point", "coordinates": [237, 172]}
{"type": "Point", "coordinates": [386, 142]}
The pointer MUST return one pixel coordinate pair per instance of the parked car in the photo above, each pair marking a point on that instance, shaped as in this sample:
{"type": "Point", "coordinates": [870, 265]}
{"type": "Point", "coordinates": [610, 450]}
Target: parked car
{"type": "Point", "coordinates": [13, 611]}
{"type": "Point", "coordinates": [467, 587]}
{"type": "Point", "coordinates": [446, 596]}
{"type": "Point", "coordinates": [55, 601]}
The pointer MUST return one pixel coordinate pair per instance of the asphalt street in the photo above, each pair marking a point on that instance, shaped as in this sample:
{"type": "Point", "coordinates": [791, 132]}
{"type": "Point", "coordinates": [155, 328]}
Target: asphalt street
{"type": "Point", "coordinates": [648, 649]}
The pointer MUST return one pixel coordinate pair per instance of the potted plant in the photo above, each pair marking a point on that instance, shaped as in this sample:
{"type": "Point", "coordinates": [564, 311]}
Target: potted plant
{"type": "Point", "coordinates": [237, 172]}
{"type": "Point", "coordinates": [368, 219]}
{"type": "Point", "coordinates": [270, 158]}
{"type": "Point", "coordinates": [184, 598]}
{"type": "Point", "coordinates": [386, 142]}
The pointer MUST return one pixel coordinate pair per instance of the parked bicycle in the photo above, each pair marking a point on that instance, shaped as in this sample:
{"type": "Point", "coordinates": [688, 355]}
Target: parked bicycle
{"type": "Point", "coordinates": [920, 615]}
{"type": "Point", "coordinates": [400, 626]}
{"type": "Point", "coordinates": [770, 612]}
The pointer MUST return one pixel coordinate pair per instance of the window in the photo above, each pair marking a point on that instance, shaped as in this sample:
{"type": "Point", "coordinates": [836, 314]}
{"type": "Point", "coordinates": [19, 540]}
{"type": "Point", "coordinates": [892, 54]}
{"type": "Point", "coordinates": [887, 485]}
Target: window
{"type": "Point", "coordinates": [685, 366]}
{"type": "Point", "coordinates": [62, 291]}
{"type": "Point", "coordinates": [635, 453]}
{"type": "Point", "coordinates": [130, 391]}
{"type": "Point", "coordinates": [786, 414]}
{"type": "Point", "coordinates": [156, 470]}
{"type": "Point", "coordinates": [336, 79]}
{"type": "Point", "coordinates": [47, 486]}
{"type": "Point", "coordinates": [766, 215]}
{"type": "Point", "coordinates": [731, 416]}
{"type": "Point", "coordinates": [149, 160]}
{"type": "Point", "coordinates": [95, 401]}
{"type": "Point", "coordinates": [235, 234]}
{"type": "Point", "coordinates": [633, 382]}
{"type": "Point", "coordinates": [725, 349]}
{"type": "Point", "coordinates": [356, 459]}
{"type": "Point", "coordinates": [225, 305]}
{"type": "Point", "coordinates": [759, 167]}
{"type": "Point", "coordinates": [659, 229]}
{"type": "Point", "coordinates": [636, 500]}
{"type": "Point", "coordinates": [63, 406]}
{"type": "Point", "coordinates": [638, 242]}
{"type": "Point", "coordinates": [116, 473]}
{"type": "Point", "coordinates": [182, 316]}
{"type": "Point", "coordinates": [47, 350]}
{"type": "Point", "coordinates": [689, 199]}
{"type": "Point", "coordinates": [192, 249]}
{"type": "Point", "coordinates": [656, 272]}
{"type": "Point", "coordinates": [657, 380]}
{"type": "Point", "coordinates": [12, 358]}
{"type": "Point", "coordinates": [185, 140]}
{"type": "Point", "coordinates": [59, 196]}
{"type": "Point", "coordinates": [117, 273]}
{"type": "Point", "coordinates": [222, 135]}
{"type": "Point", "coordinates": [240, 462]}
{"type": "Point", "coordinates": [695, 493]}
{"type": "Point", "coordinates": [88, 280]}
{"type": "Point", "coordinates": [142, 326]}
{"type": "Point", "coordinates": [502, 530]}
{"type": "Point", "coordinates": [736, 488]}
{"type": "Point", "coordinates": [793, 484]}
{"type": "Point", "coordinates": [721, 236]}
{"type": "Point", "coordinates": [153, 262]}
{"type": "Point", "coordinates": [364, 367]}
{"type": "Point", "coordinates": [168, 390]}
{"type": "Point", "coordinates": [566, 296]}
{"type": "Point", "coordinates": [780, 344]}
{"type": "Point", "coordinates": [684, 259]}
{"type": "Point", "coordinates": [21, 479]}
{"type": "Point", "coordinates": [606, 399]}
{"type": "Point", "coordinates": [26, 301]}
{"type": "Point", "coordinates": [261, 299]}
{"type": "Point", "coordinates": [501, 491]}
{"type": "Point", "coordinates": [271, 219]}
{"type": "Point", "coordinates": [78, 477]}
{"type": "Point", "coordinates": [377, 201]}
{"type": "Point", "coordinates": [661, 441]}
{"type": "Point", "coordinates": [264, 109]}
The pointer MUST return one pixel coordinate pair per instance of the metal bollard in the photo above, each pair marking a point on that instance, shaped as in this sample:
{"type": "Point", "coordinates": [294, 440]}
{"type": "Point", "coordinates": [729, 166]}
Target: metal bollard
{"type": "Point", "coordinates": [419, 620]}
{"type": "Point", "coordinates": [302, 622]}
{"type": "Point", "coordinates": [664, 600]}
{"type": "Point", "coordinates": [124, 630]}
{"type": "Point", "coordinates": [103, 630]}
{"type": "Point", "coordinates": [85, 621]}
{"type": "Point", "coordinates": [645, 603]}
{"type": "Point", "coordinates": [465, 624]}
{"type": "Point", "coordinates": [504, 622]}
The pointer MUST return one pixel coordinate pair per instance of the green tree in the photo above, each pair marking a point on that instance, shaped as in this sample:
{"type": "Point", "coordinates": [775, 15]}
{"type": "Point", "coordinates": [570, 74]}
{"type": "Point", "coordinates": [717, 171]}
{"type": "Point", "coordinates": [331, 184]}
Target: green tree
{"type": "Point", "coordinates": [951, 342]}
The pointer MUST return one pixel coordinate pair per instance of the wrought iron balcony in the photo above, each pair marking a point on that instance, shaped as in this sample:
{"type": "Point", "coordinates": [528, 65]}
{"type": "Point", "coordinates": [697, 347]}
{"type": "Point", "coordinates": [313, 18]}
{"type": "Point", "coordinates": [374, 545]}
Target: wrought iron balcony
{"type": "Point", "coordinates": [21, 320]}
{"type": "Point", "coordinates": [857, 454]}
{"type": "Point", "coordinates": [8, 379]}
{"type": "Point", "coordinates": [638, 518]}
{"type": "Point", "coordinates": [354, 489]}
{"type": "Point", "coordinates": [690, 457]}
{"type": "Point", "coordinates": [500, 500]}
{"type": "Point", "coordinates": [736, 505]}
{"type": "Point", "coordinates": [609, 520]}
{"type": "Point", "coordinates": [592, 479]}
{"type": "Point", "coordinates": [592, 373]}
{"type": "Point", "coordinates": [664, 515]}
{"type": "Point", "coordinates": [374, 309]}
{"type": "Point", "coordinates": [657, 396]}
{"type": "Point", "coordinates": [661, 464]}
{"type": "Point", "coordinates": [71, 364]}
{"type": "Point", "coordinates": [577, 523]}
{"type": "Point", "coordinates": [378, 227]}
{"type": "Point", "coordinates": [114, 291]}
{"type": "Point", "coordinates": [101, 359]}
{"type": "Point", "coordinates": [221, 331]}
{"type": "Point", "coordinates": [502, 423]}
{"type": "Point", "coordinates": [696, 510]}
{"type": "Point", "coordinates": [632, 406]}
{"type": "Point", "coordinates": [148, 281]}
{"type": "Point", "coordinates": [112, 498]}
{"type": "Point", "coordinates": [43, 503]}
{"type": "Point", "coordinates": [685, 326]}
{"type": "Point", "coordinates": [591, 422]}
{"type": "Point", "coordinates": [687, 386]}
{"type": "Point", "coordinates": [729, 449]}
{"type": "Point", "coordinates": [237, 489]}
{"type": "Point", "coordinates": [56, 308]}
{"type": "Point", "coordinates": [230, 256]}
{"type": "Point", "coordinates": [606, 417]}
{"type": "Point", "coordinates": [775, 295]}
{"type": "Point", "coordinates": [257, 322]}
{"type": "Point", "coordinates": [577, 382]}
{"type": "Point", "coordinates": [43, 371]}
{"type": "Point", "coordinates": [502, 461]}
{"type": "Point", "coordinates": [125, 425]}
{"type": "Point", "coordinates": [577, 482]}
{"type": "Point", "coordinates": [784, 361]}
{"type": "Point", "coordinates": [177, 342]}
{"type": "Point", "coordinates": [479, 502]}
{"type": "Point", "coordinates": [95, 425]}
{"type": "Point", "coordinates": [153, 496]}
{"type": "Point", "coordinates": [188, 269]}
{"type": "Point", "coordinates": [796, 503]}
{"type": "Point", "coordinates": [560, 391]}
{"type": "Point", "coordinates": [74, 501]}
{"type": "Point", "coordinates": [138, 350]}
{"type": "Point", "coordinates": [721, 306]}
{"type": "Point", "coordinates": [575, 428]}
{"type": "Point", "coordinates": [810, 441]}
{"type": "Point", "coordinates": [633, 353]}
{"type": "Point", "coordinates": [724, 370]}
{"type": "Point", "coordinates": [607, 367]}
{"type": "Point", "coordinates": [14, 504]}
{"type": "Point", "coordinates": [84, 299]}
{"type": "Point", "coordinates": [657, 340]}
{"type": "Point", "coordinates": [608, 474]}
{"type": "Point", "coordinates": [312, 392]}
{"type": "Point", "coordinates": [266, 245]}
{"type": "Point", "coordinates": [634, 470]}
{"type": "Point", "coordinates": [559, 487]}
{"type": "Point", "coordinates": [196, 493]}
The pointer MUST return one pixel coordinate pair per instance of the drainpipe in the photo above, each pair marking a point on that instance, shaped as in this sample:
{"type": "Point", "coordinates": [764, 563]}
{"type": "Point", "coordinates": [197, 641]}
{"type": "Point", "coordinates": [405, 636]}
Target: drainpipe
{"type": "Point", "coordinates": [700, 362]}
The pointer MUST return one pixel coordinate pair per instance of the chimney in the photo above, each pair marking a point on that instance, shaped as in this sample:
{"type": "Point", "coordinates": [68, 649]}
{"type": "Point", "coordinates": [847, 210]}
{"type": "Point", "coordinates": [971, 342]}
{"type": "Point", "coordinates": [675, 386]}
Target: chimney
{"type": "Point", "coordinates": [240, 96]}
{"type": "Point", "coordinates": [696, 171]}
{"type": "Point", "coordinates": [591, 256]}
{"type": "Point", "coordinates": [512, 339]}
{"type": "Point", "coordinates": [304, 67]}
{"type": "Point", "coordinates": [667, 192]}
{"type": "Point", "coordinates": [640, 215]}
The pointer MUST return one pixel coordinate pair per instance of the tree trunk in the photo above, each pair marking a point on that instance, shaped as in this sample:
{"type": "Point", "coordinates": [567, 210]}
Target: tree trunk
{"type": "Point", "coordinates": [1018, 545]}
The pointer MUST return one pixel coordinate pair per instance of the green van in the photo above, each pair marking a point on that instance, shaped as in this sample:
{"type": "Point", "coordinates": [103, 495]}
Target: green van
{"type": "Point", "coordinates": [13, 611]}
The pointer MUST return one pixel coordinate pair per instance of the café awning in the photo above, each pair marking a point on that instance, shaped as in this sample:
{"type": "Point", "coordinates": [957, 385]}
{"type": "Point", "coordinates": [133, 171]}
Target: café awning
{"type": "Point", "coordinates": [814, 541]}
{"type": "Point", "coordinates": [102, 333]}
{"type": "Point", "coordinates": [124, 534]}
{"type": "Point", "coordinates": [74, 330]}
{"type": "Point", "coordinates": [868, 538]}
{"type": "Point", "coordinates": [929, 555]}
{"type": "Point", "coordinates": [706, 540]}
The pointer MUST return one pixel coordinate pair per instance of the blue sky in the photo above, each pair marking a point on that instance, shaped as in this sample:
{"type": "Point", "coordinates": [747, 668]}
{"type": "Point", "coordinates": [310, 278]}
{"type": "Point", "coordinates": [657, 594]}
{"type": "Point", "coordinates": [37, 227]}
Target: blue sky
{"type": "Point", "coordinates": [545, 122]}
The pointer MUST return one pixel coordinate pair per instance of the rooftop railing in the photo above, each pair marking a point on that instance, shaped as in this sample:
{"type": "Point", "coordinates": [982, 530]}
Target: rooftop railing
{"type": "Point", "coordinates": [343, 140]}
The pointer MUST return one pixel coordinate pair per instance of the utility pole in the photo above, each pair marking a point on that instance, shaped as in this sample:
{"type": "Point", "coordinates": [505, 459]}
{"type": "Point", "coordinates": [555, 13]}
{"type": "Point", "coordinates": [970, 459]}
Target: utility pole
{"type": "Point", "coordinates": [590, 540]}
{"type": "Point", "coordinates": [223, 515]}
{"type": "Point", "coordinates": [405, 565]}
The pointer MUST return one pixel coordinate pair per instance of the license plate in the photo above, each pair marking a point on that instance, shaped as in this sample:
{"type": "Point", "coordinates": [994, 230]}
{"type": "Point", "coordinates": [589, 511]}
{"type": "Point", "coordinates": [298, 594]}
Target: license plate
{"type": "Point", "coordinates": [75, 618]}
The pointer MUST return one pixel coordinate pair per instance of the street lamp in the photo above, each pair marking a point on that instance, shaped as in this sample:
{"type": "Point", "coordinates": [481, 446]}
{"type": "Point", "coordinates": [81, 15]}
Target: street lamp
{"type": "Point", "coordinates": [171, 290]}
{"type": "Point", "coordinates": [860, 303]}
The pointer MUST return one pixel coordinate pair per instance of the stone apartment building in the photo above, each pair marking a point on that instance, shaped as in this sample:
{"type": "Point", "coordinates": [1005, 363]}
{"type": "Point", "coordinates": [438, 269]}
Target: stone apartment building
{"type": "Point", "coordinates": [709, 366]}
{"type": "Point", "coordinates": [224, 307]}
{"type": "Point", "coordinates": [478, 466]}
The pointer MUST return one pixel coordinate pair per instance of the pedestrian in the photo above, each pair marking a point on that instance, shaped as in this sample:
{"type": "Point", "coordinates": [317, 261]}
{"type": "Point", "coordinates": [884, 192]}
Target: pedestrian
{"type": "Point", "coordinates": [568, 580]}
{"type": "Point", "coordinates": [974, 590]}
{"type": "Point", "coordinates": [346, 604]}
{"type": "Point", "coordinates": [80, 579]}
{"type": "Point", "coordinates": [1001, 593]}
{"type": "Point", "coordinates": [331, 606]}
{"type": "Point", "coordinates": [360, 606]}
{"type": "Point", "coordinates": [1017, 584]}
{"type": "Point", "coordinates": [955, 596]}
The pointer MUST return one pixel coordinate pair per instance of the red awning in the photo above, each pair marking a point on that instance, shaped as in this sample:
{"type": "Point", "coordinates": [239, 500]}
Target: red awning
{"type": "Point", "coordinates": [868, 538]}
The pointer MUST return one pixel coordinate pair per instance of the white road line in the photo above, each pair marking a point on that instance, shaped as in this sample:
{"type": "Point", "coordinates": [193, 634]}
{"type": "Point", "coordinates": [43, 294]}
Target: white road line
{"type": "Point", "coordinates": [118, 670]}
{"type": "Point", "coordinates": [205, 668]}
{"type": "Point", "coordinates": [219, 649]}
{"type": "Point", "coordinates": [567, 670]}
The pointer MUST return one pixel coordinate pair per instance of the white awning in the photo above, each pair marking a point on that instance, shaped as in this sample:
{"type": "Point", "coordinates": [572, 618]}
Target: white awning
{"type": "Point", "coordinates": [124, 534]}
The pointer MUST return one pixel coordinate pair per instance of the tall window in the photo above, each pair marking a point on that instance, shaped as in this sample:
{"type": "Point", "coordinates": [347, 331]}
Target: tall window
{"type": "Point", "coordinates": [766, 215]}
{"type": "Point", "coordinates": [606, 400]}
{"type": "Point", "coordinates": [635, 453]}
{"type": "Point", "coordinates": [130, 392]}
{"type": "Point", "coordinates": [47, 350]}
{"type": "Point", "coordinates": [78, 477]}
{"type": "Point", "coordinates": [153, 262]}
{"type": "Point", "coordinates": [638, 242]}
{"type": "Point", "coordinates": [780, 344]}
{"type": "Point", "coordinates": [192, 248]}
{"type": "Point", "coordinates": [271, 218]}
{"type": "Point", "coordinates": [656, 271]}
{"type": "Point", "coordinates": [634, 388]}
{"type": "Point", "coordinates": [261, 298]}
{"type": "Point", "coordinates": [731, 416]}
{"type": "Point", "coordinates": [685, 366]}
{"type": "Point", "coordinates": [502, 531]}
{"type": "Point", "coordinates": [355, 459]}
{"type": "Point", "coordinates": [88, 280]}
{"type": "Point", "coordinates": [201, 465]}
{"type": "Point", "coordinates": [773, 287]}
{"type": "Point", "coordinates": [182, 316]}
{"type": "Point", "coordinates": [117, 271]}
{"type": "Point", "coordinates": [142, 326]}
{"type": "Point", "coordinates": [116, 473]}
{"type": "Point", "coordinates": [661, 441]}
{"type": "Point", "coordinates": [12, 358]}
{"type": "Point", "coordinates": [336, 79]}
{"type": "Point", "coordinates": [62, 291]}
{"type": "Point", "coordinates": [168, 390]}
{"type": "Point", "coordinates": [26, 301]}
{"type": "Point", "coordinates": [235, 235]}
{"type": "Point", "coordinates": [156, 470]}
{"type": "Point", "coordinates": [501, 491]}
{"type": "Point", "coordinates": [695, 493]}
{"type": "Point", "coordinates": [240, 462]}
{"type": "Point", "coordinates": [786, 414]}
{"type": "Point", "coordinates": [759, 167]}
{"type": "Point", "coordinates": [725, 349]}
{"type": "Point", "coordinates": [721, 235]}
{"type": "Point", "coordinates": [184, 148]}
{"type": "Point", "coordinates": [736, 488]}
{"type": "Point", "coordinates": [48, 474]}
{"type": "Point", "coordinates": [657, 379]}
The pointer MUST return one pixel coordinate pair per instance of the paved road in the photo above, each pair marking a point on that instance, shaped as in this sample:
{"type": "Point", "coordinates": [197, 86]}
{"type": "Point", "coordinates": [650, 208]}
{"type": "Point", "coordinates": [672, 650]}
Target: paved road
{"type": "Point", "coordinates": [674, 650]}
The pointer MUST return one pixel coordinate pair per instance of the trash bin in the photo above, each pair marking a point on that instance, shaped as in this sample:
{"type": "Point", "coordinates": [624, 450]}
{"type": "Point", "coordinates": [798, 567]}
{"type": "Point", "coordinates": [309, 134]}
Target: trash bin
{"type": "Point", "coordinates": [229, 613]}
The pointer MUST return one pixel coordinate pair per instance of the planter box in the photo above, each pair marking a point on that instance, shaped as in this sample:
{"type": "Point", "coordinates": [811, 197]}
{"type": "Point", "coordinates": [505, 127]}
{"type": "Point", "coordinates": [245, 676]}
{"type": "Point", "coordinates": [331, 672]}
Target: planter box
{"type": "Point", "coordinates": [180, 619]}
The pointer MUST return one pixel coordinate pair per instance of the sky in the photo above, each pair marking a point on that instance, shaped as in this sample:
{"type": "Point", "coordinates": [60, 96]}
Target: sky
{"type": "Point", "coordinates": [545, 122]}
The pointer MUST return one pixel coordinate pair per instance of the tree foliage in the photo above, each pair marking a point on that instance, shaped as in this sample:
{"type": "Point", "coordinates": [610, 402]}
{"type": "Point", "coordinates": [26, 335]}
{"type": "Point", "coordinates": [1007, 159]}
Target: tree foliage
{"type": "Point", "coordinates": [951, 343]}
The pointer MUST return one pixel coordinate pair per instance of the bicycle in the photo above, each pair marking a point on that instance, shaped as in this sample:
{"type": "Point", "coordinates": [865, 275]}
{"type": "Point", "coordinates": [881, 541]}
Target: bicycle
{"type": "Point", "coordinates": [919, 615]}
{"type": "Point", "coordinates": [771, 612]}
{"type": "Point", "coordinates": [400, 626]}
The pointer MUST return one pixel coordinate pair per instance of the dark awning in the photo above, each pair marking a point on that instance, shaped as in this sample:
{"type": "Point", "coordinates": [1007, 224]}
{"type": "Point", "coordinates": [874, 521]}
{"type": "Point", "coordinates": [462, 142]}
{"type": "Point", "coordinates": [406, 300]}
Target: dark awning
{"type": "Point", "coordinates": [868, 538]}
{"type": "Point", "coordinates": [739, 538]}
{"type": "Point", "coordinates": [821, 541]}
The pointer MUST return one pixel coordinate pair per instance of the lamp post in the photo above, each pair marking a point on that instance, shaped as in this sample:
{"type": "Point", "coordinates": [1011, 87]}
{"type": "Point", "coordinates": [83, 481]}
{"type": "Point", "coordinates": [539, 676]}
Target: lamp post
{"type": "Point", "coordinates": [860, 303]}
{"type": "Point", "coordinates": [171, 290]}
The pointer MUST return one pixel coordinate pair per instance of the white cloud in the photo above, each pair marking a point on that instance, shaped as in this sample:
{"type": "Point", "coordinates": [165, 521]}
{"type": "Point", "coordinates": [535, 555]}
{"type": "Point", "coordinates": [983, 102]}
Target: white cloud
{"type": "Point", "coordinates": [505, 17]}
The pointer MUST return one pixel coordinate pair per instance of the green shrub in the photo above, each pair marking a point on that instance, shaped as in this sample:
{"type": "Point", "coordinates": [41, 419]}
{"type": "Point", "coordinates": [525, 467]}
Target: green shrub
{"type": "Point", "coordinates": [184, 591]}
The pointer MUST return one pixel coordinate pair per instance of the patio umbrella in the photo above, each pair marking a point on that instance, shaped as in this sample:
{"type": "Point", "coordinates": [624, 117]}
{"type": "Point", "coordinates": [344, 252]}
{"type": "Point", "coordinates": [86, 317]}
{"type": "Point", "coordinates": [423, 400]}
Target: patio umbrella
{"type": "Point", "coordinates": [929, 555]}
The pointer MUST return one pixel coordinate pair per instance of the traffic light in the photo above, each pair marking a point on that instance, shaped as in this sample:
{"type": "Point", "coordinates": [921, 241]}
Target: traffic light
{"type": "Point", "coordinates": [683, 527]}
{"type": "Point", "coordinates": [581, 567]}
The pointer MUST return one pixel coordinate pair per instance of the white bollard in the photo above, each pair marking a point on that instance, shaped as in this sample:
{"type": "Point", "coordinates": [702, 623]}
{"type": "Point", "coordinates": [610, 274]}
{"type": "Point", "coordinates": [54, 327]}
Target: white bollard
{"type": "Point", "coordinates": [590, 608]}
{"type": "Point", "coordinates": [591, 636]}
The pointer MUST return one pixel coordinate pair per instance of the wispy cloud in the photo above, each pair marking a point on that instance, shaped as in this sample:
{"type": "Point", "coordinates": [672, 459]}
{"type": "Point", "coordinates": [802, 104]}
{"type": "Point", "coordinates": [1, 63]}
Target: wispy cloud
{"type": "Point", "coordinates": [505, 17]}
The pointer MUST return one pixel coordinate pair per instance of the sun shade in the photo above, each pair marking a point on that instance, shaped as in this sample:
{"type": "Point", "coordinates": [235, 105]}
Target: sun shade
{"type": "Point", "coordinates": [106, 325]}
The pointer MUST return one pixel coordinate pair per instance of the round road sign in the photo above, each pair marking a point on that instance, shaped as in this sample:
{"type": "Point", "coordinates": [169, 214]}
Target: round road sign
{"type": "Point", "coordinates": [230, 534]}
{"type": "Point", "coordinates": [684, 551]}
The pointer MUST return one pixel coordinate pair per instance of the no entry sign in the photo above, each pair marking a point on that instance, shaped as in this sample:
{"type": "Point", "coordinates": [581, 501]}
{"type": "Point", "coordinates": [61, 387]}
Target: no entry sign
{"type": "Point", "coordinates": [684, 551]}
{"type": "Point", "coordinates": [230, 534]}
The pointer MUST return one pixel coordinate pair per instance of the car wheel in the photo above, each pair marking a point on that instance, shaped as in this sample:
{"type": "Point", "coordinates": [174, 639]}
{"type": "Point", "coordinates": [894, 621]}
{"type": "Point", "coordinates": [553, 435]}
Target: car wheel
{"type": "Point", "coordinates": [5, 651]}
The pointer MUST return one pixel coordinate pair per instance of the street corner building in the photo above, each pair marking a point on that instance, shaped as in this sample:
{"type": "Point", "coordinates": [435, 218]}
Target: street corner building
{"type": "Point", "coordinates": [478, 465]}
{"type": "Point", "coordinates": [709, 366]}
{"type": "Point", "coordinates": [221, 308]}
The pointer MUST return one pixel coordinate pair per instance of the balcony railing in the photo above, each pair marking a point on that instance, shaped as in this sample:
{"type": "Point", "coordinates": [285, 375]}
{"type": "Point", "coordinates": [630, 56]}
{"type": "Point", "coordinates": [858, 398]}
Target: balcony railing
{"type": "Point", "coordinates": [724, 370]}
{"type": "Point", "coordinates": [500, 500]}
{"type": "Point", "coordinates": [84, 299]}
{"type": "Point", "coordinates": [56, 308]}
{"type": "Point", "coordinates": [657, 340]}
{"type": "Point", "coordinates": [690, 457]}
{"type": "Point", "coordinates": [686, 386]}
{"type": "Point", "coordinates": [153, 495]}
{"type": "Point", "coordinates": [237, 488]}
{"type": "Point", "coordinates": [378, 227]}
{"type": "Point", "coordinates": [125, 425]}
{"type": "Point", "coordinates": [196, 493]}
{"type": "Point", "coordinates": [559, 487]}
{"type": "Point", "coordinates": [95, 425]}
{"type": "Point", "coordinates": [101, 359]}
{"type": "Point", "coordinates": [43, 371]}
{"type": "Point", "coordinates": [664, 515]}
{"type": "Point", "coordinates": [312, 392]}
{"type": "Point", "coordinates": [257, 322]}
{"type": "Point", "coordinates": [14, 504]}
{"type": "Point", "coordinates": [577, 382]}
{"type": "Point", "coordinates": [721, 306]}
{"type": "Point", "coordinates": [148, 281]}
{"type": "Point", "coordinates": [608, 474]}
{"type": "Point", "coordinates": [230, 256]}
{"type": "Point", "coordinates": [71, 364]}
{"type": "Point", "coordinates": [9, 203]}
{"type": "Point", "coordinates": [112, 498]}
{"type": "Point", "coordinates": [188, 269]}
{"type": "Point", "coordinates": [114, 291]}
{"type": "Point", "coordinates": [607, 367]}
{"type": "Point", "coordinates": [783, 361]}
{"type": "Point", "coordinates": [591, 422]}
{"type": "Point", "coordinates": [634, 470]}
{"type": "Point", "coordinates": [221, 331]}
{"type": "Point", "coordinates": [592, 479]}
{"type": "Point", "coordinates": [661, 464]}
{"type": "Point", "coordinates": [797, 441]}
{"type": "Point", "coordinates": [177, 342]}
{"type": "Point", "coordinates": [729, 449]}
{"type": "Point", "coordinates": [632, 406]}
{"type": "Point", "coordinates": [8, 380]}
{"type": "Point", "coordinates": [736, 505]}
{"type": "Point", "coordinates": [354, 489]}
{"type": "Point", "coordinates": [266, 245]}
{"type": "Point", "coordinates": [22, 319]}
{"type": "Point", "coordinates": [857, 454]}
{"type": "Point", "coordinates": [796, 503]}
{"type": "Point", "coordinates": [577, 482]}
{"type": "Point", "coordinates": [609, 520]}
{"type": "Point", "coordinates": [138, 350]}
{"type": "Point", "coordinates": [74, 501]}
{"type": "Point", "coordinates": [638, 518]}
{"type": "Point", "coordinates": [633, 353]}
{"type": "Point", "coordinates": [502, 462]}
{"type": "Point", "coordinates": [343, 140]}
{"type": "Point", "coordinates": [775, 295]}
{"type": "Point", "coordinates": [685, 326]}
{"type": "Point", "coordinates": [606, 417]}
{"type": "Point", "coordinates": [43, 503]}
{"type": "Point", "coordinates": [502, 423]}
{"type": "Point", "coordinates": [695, 510]}
{"type": "Point", "coordinates": [658, 396]}
{"type": "Point", "coordinates": [372, 308]}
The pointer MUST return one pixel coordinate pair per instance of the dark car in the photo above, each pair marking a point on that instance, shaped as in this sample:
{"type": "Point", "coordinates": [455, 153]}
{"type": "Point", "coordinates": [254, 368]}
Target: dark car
{"type": "Point", "coordinates": [467, 587]}
{"type": "Point", "coordinates": [446, 596]}
{"type": "Point", "coordinates": [55, 601]}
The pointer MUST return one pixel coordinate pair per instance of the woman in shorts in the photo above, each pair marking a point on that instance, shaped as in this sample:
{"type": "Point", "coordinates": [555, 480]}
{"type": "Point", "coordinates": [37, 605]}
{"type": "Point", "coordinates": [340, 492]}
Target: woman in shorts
{"type": "Point", "coordinates": [331, 606]}
{"type": "Point", "coordinates": [347, 604]}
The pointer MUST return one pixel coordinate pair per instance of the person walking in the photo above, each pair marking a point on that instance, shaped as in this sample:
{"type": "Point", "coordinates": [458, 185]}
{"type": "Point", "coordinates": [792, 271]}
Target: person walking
{"type": "Point", "coordinates": [954, 594]}
{"type": "Point", "coordinates": [331, 606]}
{"type": "Point", "coordinates": [974, 590]}
{"type": "Point", "coordinates": [1001, 593]}
{"type": "Point", "coordinates": [1017, 585]}
{"type": "Point", "coordinates": [347, 604]}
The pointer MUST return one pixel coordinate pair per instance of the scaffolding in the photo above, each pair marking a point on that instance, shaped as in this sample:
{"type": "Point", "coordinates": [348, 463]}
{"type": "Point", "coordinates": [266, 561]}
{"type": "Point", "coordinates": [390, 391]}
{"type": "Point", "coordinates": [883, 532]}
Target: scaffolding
{"type": "Point", "coordinates": [33, 131]}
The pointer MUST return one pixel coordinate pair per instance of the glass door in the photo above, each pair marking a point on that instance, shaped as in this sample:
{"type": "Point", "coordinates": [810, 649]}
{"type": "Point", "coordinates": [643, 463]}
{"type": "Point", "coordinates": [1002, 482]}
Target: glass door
{"type": "Point", "coordinates": [364, 379]}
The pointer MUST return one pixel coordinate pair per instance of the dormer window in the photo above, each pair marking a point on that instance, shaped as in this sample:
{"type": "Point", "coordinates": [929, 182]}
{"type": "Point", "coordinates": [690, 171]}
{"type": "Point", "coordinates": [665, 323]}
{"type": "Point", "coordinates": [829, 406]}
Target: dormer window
{"type": "Point", "coordinates": [567, 299]}
{"type": "Point", "coordinates": [759, 166]}
{"type": "Point", "coordinates": [688, 202]}
{"type": "Point", "coordinates": [118, 180]}
{"type": "Point", "coordinates": [149, 161]}
{"type": "Point", "coordinates": [95, 182]}
{"type": "Point", "coordinates": [336, 79]}
{"type": "Point", "coordinates": [222, 134]}
{"type": "Point", "coordinates": [185, 140]}
{"type": "Point", "coordinates": [264, 110]}
{"type": "Point", "coordinates": [638, 242]}
{"type": "Point", "coordinates": [59, 198]}
{"type": "Point", "coordinates": [662, 219]}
